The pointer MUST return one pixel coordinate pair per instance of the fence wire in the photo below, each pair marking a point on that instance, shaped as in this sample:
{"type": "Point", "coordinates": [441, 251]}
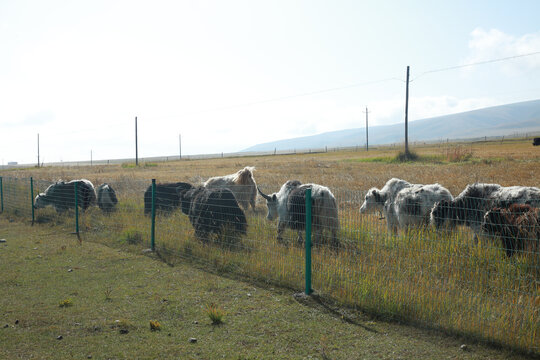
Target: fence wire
{"type": "Point", "coordinates": [478, 272]}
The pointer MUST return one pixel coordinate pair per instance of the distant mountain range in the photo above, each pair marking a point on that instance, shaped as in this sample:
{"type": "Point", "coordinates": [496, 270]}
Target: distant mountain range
{"type": "Point", "coordinates": [523, 117]}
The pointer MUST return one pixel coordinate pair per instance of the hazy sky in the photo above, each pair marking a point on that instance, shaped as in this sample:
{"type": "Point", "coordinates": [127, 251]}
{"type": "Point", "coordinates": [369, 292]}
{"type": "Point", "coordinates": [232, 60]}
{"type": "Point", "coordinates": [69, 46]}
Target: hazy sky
{"type": "Point", "coordinates": [78, 72]}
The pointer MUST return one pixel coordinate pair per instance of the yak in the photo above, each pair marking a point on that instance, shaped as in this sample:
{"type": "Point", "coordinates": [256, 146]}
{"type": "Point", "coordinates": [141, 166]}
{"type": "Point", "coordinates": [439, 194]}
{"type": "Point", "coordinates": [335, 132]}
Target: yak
{"type": "Point", "coordinates": [242, 184]}
{"type": "Point", "coordinates": [61, 195]}
{"type": "Point", "coordinates": [470, 207]}
{"type": "Point", "coordinates": [213, 211]}
{"type": "Point", "coordinates": [382, 200]}
{"type": "Point", "coordinates": [288, 205]}
{"type": "Point", "coordinates": [412, 205]}
{"type": "Point", "coordinates": [106, 198]}
{"type": "Point", "coordinates": [167, 197]}
{"type": "Point", "coordinates": [518, 227]}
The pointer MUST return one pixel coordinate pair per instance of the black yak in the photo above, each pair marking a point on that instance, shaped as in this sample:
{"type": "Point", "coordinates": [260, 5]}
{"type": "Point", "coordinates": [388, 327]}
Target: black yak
{"type": "Point", "coordinates": [518, 227]}
{"type": "Point", "coordinates": [167, 197]}
{"type": "Point", "coordinates": [61, 195]}
{"type": "Point", "coordinates": [213, 211]}
{"type": "Point", "coordinates": [106, 198]}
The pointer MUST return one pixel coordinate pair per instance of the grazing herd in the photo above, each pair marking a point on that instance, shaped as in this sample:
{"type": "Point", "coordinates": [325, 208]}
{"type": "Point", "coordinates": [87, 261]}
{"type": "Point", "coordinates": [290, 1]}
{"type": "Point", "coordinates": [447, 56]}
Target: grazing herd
{"type": "Point", "coordinates": [216, 208]}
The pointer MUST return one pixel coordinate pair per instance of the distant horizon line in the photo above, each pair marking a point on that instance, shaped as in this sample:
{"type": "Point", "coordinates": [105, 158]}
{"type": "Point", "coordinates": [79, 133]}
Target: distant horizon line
{"type": "Point", "coordinates": [244, 153]}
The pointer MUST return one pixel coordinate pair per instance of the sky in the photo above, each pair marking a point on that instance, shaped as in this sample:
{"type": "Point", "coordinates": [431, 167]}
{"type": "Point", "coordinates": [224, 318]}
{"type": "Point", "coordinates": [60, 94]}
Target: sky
{"type": "Point", "coordinates": [227, 75]}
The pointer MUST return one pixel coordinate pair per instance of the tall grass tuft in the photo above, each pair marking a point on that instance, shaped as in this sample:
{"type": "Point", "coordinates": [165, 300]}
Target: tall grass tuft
{"type": "Point", "coordinates": [215, 313]}
{"type": "Point", "coordinates": [458, 153]}
{"type": "Point", "coordinates": [403, 156]}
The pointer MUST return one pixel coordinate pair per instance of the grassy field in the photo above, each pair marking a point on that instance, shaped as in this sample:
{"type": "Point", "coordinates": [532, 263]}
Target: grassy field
{"type": "Point", "coordinates": [100, 301]}
{"type": "Point", "coordinates": [446, 281]}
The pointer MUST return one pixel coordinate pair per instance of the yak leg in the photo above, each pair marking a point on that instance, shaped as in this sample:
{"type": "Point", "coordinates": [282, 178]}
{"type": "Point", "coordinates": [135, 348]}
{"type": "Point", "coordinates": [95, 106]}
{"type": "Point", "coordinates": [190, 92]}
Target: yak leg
{"type": "Point", "coordinates": [317, 234]}
{"type": "Point", "coordinates": [300, 239]}
{"type": "Point", "coordinates": [280, 231]}
{"type": "Point", "coordinates": [334, 241]}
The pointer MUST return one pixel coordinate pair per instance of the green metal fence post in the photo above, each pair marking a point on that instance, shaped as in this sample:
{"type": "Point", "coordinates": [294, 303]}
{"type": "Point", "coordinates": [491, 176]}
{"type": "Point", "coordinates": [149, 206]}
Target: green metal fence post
{"type": "Point", "coordinates": [153, 231]}
{"type": "Point", "coordinates": [1, 195]}
{"type": "Point", "coordinates": [308, 242]}
{"type": "Point", "coordinates": [32, 197]}
{"type": "Point", "coordinates": [77, 211]}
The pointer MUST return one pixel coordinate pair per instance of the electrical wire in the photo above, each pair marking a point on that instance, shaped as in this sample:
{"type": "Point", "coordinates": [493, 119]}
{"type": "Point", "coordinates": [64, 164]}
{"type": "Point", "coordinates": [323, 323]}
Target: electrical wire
{"type": "Point", "coordinates": [294, 96]}
{"type": "Point", "coordinates": [475, 63]}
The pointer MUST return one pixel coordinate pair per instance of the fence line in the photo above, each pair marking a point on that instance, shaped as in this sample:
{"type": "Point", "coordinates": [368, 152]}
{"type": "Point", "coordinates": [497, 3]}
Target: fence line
{"type": "Point", "coordinates": [487, 288]}
{"type": "Point", "coordinates": [309, 150]}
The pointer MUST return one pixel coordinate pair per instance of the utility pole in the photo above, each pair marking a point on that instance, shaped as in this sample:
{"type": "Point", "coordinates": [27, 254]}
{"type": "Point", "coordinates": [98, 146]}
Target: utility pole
{"type": "Point", "coordinates": [136, 145]}
{"type": "Point", "coordinates": [90, 157]}
{"type": "Point", "coordinates": [367, 136]}
{"type": "Point", "coordinates": [180, 145]}
{"type": "Point", "coordinates": [407, 116]}
{"type": "Point", "coordinates": [38, 150]}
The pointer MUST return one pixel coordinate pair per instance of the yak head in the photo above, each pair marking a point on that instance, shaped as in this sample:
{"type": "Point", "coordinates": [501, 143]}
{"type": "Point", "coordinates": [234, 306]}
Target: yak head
{"type": "Point", "coordinates": [495, 221]}
{"type": "Point", "coordinates": [186, 197]}
{"type": "Point", "coordinates": [271, 203]}
{"type": "Point", "coordinates": [442, 214]}
{"type": "Point", "coordinates": [39, 202]}
{"type": "Point", "coordinates": [373, 201]}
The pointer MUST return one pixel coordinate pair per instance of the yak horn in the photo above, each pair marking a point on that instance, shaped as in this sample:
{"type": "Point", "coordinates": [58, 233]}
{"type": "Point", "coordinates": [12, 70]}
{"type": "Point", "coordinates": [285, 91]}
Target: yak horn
{"type": "Point", "coordinates": [264, 195]}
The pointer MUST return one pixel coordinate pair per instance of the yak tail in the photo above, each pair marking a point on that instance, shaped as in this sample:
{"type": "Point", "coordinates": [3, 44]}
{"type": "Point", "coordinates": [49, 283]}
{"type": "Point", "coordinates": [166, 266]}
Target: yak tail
{"type": "Point", "coordinates": [244, 176]}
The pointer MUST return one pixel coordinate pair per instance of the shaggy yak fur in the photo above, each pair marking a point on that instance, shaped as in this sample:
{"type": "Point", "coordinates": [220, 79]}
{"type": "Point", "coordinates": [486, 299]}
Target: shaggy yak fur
{"type": "Point", "coordinates": [167, 197]}
{"type": "Point", "coordinates": [106, 198]}
{"type": "Point", "coordinates": [518, 227]}
{"type": "Point", "coordinates": [242, 184]}
{"type": "Point", "coordinates": [324, 212]}
{"type": "Point", "coordinates": [382, 200]}
{"type": "Point", "coordinates": [413, 204]}
{"type": "Point", "coordinates": [213, 211]}
{"type": "Point", "coordinates": [404, 204]}
{"type": "Point", "coordinates": [289, 206]}
{"type": "Point", "coordinates": [469, 207]}
{"type": "Point", "coordinates": [61, 195]}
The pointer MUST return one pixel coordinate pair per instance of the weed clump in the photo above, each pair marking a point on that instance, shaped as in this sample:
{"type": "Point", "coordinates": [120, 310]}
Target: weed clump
{"type": "Point", "coordinates": [132, 236]}
{"type": "Point", "coordinates": [155, 325]}
{"type": "Point", "coordinates": [458, 154]}
{"type": "Point", "coordinates": [404, 156]}
{"type": "Point", "coordinates": [66, 303]}
{"type": "Point", "coordinates": [215, 313]}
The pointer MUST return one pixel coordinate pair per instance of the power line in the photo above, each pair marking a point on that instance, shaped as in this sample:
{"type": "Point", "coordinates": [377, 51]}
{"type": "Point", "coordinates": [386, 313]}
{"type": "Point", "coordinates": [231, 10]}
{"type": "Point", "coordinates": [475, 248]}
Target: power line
{"type": "Point", "coordinates": [359, 84]}
{"type": "Point", "coordinates": [476, 63]}
{"type": "Point", "coordinates": [294, 96]}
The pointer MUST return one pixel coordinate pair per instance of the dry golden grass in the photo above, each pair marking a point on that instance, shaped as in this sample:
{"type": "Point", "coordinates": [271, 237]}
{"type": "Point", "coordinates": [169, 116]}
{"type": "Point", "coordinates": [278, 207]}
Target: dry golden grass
{"type": "Point", "coordinates": [442, 280]}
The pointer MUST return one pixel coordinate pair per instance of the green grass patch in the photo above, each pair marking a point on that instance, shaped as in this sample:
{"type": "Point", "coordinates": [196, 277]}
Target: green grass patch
{"type": "Point", "coordinates": [267, 323]}
{"type": "Point", "coordinates": [132, 236]}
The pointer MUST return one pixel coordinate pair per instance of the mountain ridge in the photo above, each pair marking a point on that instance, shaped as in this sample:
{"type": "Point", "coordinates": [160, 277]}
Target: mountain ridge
{"type": "Point", "coordinates": [501, 120]}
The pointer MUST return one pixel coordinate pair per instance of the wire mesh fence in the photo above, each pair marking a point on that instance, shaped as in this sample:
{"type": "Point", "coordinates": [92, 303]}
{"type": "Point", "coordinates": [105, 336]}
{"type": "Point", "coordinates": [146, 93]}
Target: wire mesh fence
{"type": "Point", "coordinates": [476, 272]}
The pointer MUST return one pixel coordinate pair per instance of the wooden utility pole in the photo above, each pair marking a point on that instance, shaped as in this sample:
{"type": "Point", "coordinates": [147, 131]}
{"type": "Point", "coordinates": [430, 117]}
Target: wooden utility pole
{"type": "Point", "coordinates": [38, 150]}
{"type": "Point", "coordinates": [136, 145]}
{"type": "Point", "coordinates": [407, 115]}
{"type": "Point", "coordinates": [180, 145]}
{"type": "Point", "coordinates": [367, 135]}
{"type": "Point", "coordinates": [90, 157]}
